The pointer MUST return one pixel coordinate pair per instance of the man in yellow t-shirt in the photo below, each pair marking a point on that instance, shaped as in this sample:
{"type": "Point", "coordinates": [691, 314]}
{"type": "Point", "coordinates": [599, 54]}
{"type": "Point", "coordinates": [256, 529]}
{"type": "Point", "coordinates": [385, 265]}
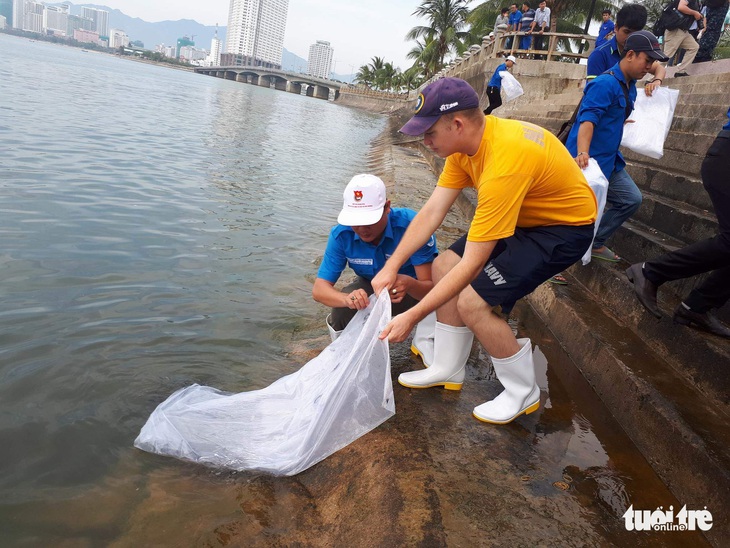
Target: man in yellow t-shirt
{"type": "Point", "coordinates": [534, 218]}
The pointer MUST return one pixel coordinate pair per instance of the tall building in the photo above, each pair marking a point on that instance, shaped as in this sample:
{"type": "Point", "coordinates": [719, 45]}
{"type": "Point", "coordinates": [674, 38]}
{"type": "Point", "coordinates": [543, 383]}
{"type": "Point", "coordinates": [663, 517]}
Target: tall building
{"type": "Point", "coordinates": [18, 14]}
{"type": "Point", "coordinates": [6, 10]}
{"type": "Point", "coordinates": [255, 33]}
{"type": "Point", "coordinates": [33, 16]}
{"type": "Point", "coordinates": [55, 19]}
{"type": "Point", "coordinates": [118, 38]}
{"type": "Point", "coordinates": [214, 59]}
{"type": "Point", "coordinates": [181, 43]}
{"type": "Point", "coordinates": [100, 18]}
{"type": "Point", "coordinates": [319, 62]}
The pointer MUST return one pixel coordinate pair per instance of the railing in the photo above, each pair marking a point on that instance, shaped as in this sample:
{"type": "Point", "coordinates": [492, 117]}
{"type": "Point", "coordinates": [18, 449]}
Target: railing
{"type": "Point", "coordinates": [367, 92]}
{"type": "Point", "coordinates": [499, 44]}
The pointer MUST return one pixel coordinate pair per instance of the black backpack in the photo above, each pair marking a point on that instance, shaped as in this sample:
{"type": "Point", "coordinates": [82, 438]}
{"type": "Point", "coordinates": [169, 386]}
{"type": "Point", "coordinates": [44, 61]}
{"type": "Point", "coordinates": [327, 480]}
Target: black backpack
{"type": "Point", "coordinates": [671, 18]}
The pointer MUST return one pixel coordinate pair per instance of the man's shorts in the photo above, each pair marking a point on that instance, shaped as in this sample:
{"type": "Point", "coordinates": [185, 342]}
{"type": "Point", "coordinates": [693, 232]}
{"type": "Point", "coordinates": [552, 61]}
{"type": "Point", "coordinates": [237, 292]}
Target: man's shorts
{"type": "Point", "coordinates": [526, 259]}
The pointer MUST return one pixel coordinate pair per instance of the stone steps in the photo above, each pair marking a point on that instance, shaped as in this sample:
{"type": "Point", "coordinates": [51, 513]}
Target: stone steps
{"type": "Point", "coordinates": [672, 411]}
{"type": "Point", "coordinates": [681, 221]}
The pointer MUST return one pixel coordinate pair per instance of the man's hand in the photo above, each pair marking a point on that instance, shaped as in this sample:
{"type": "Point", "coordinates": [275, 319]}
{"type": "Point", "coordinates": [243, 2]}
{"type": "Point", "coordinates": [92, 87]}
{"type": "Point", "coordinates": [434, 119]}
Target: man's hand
{"type": "Point", "coordinates": [582, 159]}
{"type": "Point", "coordinates": [400, 288]}
{"type": "Point", "coordinates": [385, 279]}
{"type": "Point", "coordinates": [398, 329]}
{"type": "Point", "coordinates": [356, 300]}
{"type": "Point", "coordinates": [649, 87]}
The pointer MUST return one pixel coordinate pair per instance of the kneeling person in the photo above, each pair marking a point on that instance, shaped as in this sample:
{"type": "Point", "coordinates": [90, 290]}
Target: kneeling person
{"type": "Point", "coordinates": [368, 232]}
{"type": "Point", "coordinates": [534, 217]}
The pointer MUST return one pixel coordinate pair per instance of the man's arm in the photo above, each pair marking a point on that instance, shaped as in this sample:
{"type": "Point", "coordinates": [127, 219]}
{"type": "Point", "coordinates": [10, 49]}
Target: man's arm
{"type": "Point", "coordinates": [420, 229]}
{"type": "Point", "coordinates": [476, 254]}
{"type": "Point", "coordinates": [583, 144]}
{"type": "Point", "coordinates": [420, 285]}
{"type": "Point", "coordinates": [659, 72]}
{"type": "Point", "coordinates": [324, 292]}
{"type": "Point", "coordinates": [683, 7]}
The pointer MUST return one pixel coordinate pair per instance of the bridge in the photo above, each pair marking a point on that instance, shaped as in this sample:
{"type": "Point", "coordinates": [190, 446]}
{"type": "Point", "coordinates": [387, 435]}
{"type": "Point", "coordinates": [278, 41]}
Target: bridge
{"type": "Point", "coordinates": [292, 82]}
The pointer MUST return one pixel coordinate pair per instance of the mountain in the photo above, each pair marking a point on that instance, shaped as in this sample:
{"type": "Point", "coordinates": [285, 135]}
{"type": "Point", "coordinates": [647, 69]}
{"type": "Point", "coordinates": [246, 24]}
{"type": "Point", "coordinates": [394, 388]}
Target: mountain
{"type": "Point", "coordinates": [167, 32]}
{"type": "Point", "coordinates": [152, 34]}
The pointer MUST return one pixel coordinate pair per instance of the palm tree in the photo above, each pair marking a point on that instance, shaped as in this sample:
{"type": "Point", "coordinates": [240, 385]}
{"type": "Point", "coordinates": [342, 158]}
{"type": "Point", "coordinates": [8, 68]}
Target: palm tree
{"type": "Point", "coordinates": [446, 27]}
{"type": "Point", "coordinates": [365, 76]}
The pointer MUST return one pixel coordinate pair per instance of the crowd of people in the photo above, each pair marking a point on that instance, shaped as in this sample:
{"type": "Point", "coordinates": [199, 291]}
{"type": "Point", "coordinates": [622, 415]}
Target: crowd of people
{"type": "Point", "coordinates": [535, 216]}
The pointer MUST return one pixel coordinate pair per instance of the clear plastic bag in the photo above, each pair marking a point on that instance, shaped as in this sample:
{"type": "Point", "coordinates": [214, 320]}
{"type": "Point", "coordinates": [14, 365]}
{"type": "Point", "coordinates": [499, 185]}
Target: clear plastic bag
{"type": "Point", "coordinates": [295, 422]}
{"type": "Point", "coordinates": [652, 118]}
{"type": "Point", "coordinates": [511, 87]}
{"type": "Point", "coordinates": [599, 185]}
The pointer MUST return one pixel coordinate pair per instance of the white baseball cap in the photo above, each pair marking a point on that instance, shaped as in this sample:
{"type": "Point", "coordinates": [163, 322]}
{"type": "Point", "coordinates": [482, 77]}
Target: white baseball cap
{"type": "Point", "coordinates": [512, 58]}
{"type": "Point", "coordinates": [364, 201]}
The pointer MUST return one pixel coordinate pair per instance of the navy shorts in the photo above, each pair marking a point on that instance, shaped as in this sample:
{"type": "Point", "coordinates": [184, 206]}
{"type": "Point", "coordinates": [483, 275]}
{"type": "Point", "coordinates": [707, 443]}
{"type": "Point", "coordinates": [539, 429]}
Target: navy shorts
{"type": "Point", "coordinates": [526, 259]}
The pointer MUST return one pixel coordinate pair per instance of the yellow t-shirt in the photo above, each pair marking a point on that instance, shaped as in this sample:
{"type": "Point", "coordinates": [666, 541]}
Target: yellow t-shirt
{"type": "Point", "coordinates": [524, 178]}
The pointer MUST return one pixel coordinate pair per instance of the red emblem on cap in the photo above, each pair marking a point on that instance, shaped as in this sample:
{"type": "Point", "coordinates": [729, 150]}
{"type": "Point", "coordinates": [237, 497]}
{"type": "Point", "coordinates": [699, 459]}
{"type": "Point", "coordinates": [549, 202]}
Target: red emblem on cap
{"type": "Point", "coordinates": [358, 195]}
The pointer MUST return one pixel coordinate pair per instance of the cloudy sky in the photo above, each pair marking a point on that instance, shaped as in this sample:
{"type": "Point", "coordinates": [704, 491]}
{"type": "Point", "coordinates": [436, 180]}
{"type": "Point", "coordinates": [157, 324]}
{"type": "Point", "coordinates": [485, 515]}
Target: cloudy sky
{"type": "Point", "coordinates": [356, 29]}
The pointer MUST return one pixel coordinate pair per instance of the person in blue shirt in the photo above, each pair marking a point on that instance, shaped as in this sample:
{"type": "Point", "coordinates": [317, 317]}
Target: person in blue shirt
{"type": "Point", "coordinates": [515, 16]}
{"type": "Point", "coordinates": [605, 32]}
{"type": "Point", "coordinates": [528, 16]}
{"type": "Point", "coordinates": [494, 86]}
{"type": "Point", "coordinates": [629, 19]}
{"type": "Point", "coordinates": [607, 103]}
{"type": "Point", "coordinates": [367, 233]}
{"type": "Point", "coordinates": [710, 255]}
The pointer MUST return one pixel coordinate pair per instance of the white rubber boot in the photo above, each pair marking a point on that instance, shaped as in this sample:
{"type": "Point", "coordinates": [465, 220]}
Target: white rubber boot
{"type": "Point", "coordinates": [521, 393]}
{"type": "Point", "coordinates": [423, 339]}
{"type": "Point", "coordinates": [452, 346]}
{"type": "Point", "coordinates": [333, 334]}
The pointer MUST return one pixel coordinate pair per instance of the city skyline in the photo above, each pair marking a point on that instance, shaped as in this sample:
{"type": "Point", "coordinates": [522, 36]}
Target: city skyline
{"type": "Point", "coordinates": [358, 31]}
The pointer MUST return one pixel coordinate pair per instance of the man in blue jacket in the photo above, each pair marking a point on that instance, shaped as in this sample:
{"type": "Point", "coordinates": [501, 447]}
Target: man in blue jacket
{"type": "Point", "coordinates": [629, 19]}
{"type": "Point", "coordinates": [607, 103]}
{"type": "Point", "coordinates": [494, 86]}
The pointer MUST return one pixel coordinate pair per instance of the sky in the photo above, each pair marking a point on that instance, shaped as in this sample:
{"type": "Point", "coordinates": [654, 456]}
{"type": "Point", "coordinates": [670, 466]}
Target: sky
{"type": "Point", "coordinates": [358, 30]}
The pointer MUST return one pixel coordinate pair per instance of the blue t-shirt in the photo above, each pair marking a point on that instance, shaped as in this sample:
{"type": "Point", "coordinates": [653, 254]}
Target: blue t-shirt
{"type": "Point", "coordinates": [496, 80]}
{"type": "Point", "coordinates": [727, 126]}
{"type": "Point", "coordinates": [344, 247]}
{"type": "Point", "coordinates": [514, 19]}
{"type": "Point", "coordinates": [606, 28]}
{"type": "Point", "coordinates": [604, 104]}
{"type": "Point", "coordinates": [527, 18]}
{"type": "Point", "coordinates": [603, 58]}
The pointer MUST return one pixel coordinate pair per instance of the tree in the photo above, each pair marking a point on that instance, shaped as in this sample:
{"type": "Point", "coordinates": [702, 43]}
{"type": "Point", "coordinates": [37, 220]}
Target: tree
{"type": "Point", "coordinates": [446, 31]}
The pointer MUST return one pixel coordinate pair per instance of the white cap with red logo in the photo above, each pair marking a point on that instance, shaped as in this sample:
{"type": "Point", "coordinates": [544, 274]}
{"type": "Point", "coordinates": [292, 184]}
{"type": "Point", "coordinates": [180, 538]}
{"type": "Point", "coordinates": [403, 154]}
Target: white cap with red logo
{"type": "Point", "coordinates": [364, 201]}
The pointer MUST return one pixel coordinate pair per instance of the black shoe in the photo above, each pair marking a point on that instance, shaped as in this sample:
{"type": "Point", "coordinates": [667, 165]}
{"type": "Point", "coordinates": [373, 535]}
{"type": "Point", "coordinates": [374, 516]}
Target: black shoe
{"type": "Point", "coordinates": [645, 289]}
{"type": "Point", "coordinates": [704, 320]}
{"type": "Point", "coordinates": [681, 73]}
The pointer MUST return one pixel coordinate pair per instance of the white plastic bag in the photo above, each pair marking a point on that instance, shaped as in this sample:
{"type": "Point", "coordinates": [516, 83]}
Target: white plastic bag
{"type": "Point", "coordinates": [652, 118]}
{"type": "Point", "coordinates": [511, 87]}
{"type": "Point", "coordinates": [599, 185]}
{"type": "Point", "coordinates": [295, 422]}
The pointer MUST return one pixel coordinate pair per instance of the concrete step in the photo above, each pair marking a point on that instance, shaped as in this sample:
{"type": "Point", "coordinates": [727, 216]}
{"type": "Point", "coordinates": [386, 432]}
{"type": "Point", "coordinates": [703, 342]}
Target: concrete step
{"type": "Point", "coordinates": [686, 189]}
{"type": "Point", "coordinates": [701, 358]}
{"type": "Point", "coordinates": [691, 143]}
{"type": "Point", "coordinates": [636, 242]}
{"type": "Point", "coordinates": [678, 220]}
{"type": "Point", "coordinates": [679, 425]}
{"type": "Point", "coordinates": [675, 161]}
{"type": "Point", "coordinates": [718, 78]}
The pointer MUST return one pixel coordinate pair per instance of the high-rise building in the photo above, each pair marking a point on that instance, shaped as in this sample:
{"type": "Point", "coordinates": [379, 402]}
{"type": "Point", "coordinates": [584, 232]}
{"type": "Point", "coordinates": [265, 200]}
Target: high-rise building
{"type": "Point", "coordinates": [100, 18]}
{"type": "Point", "coordinates": [6, 10]}
{"type": "Point", "coordinates": [55, 19]}
{"type": "Point", "coordinates": [214, 58]}
{"type": "Point", "coordinates": [255, 33]}
{"type": "Point", "coordinates": [181, 43]}
{"type": "Point", "coordinates": [319, 62]}
{"type": "Point", "coordinates": [33, 16]}
{"type": "Point", "coordinates": [18, 14]}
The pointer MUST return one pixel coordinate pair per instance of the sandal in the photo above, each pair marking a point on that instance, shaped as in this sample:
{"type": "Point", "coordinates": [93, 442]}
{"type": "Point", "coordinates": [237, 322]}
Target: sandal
{"type": "Point", "coordinates": [605, 255]}
{"type": "Point", "coordinates": [558, 279]}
